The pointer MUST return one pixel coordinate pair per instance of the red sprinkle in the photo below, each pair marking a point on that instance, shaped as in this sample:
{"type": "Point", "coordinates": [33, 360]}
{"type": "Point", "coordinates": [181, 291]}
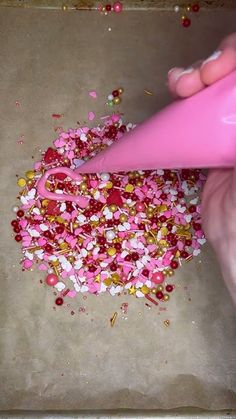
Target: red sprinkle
{"type": "Point", "coordinates": [57, 115]}
{"type": "Point", "coordinates": [195, 7]}
{"type": "Point", "coordinates": [151, 299]}
{"type": "Point", "coordinates": [59, 301]}
{"type": "Point", "coordinates": [186, 22]}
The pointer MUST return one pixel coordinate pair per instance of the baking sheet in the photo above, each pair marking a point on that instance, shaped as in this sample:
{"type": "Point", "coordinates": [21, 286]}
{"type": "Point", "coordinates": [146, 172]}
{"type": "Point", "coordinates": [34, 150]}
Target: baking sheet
{"type": "Point", "coordinates": [50, 359]}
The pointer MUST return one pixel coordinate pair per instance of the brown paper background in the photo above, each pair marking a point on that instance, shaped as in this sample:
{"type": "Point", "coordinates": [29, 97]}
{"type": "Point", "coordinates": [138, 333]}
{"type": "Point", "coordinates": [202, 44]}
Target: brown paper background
{"type": "Point", "coordinates": [49, 61]}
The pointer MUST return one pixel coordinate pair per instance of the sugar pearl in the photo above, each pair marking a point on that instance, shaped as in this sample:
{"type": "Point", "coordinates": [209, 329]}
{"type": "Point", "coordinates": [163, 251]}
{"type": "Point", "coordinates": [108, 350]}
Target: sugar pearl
{"type": "Point", "coordinates": [51, 280]}
{"type": "Point", "coordinates": [158, 277]}
{"type": "Point", "coordinates": [110, 235]}
{"type": "Point", "coordinates": [105, 176]}
{"type": "Point", "coordinates": [110, 97]}
{"type": "Point", "coordinates": [117, 100]}
{"type": "Point", "coordinates": [15, 209]}
{"type": "Point", "coordinates": [140, 207]}
{"type": "Point", "coordinates": [117, 7]}
{"type": "Point", "coordinates": [21, 182]}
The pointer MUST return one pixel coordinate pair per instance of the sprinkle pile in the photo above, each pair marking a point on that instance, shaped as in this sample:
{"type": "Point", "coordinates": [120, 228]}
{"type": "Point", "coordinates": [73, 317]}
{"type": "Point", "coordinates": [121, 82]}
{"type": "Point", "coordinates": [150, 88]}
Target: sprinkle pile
{"type": "Point", "coordinates": [137, 230]}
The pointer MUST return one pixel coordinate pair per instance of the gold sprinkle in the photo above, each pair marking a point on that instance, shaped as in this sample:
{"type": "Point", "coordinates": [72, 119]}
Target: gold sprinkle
{"type": "Point", "coordinates": [113, 319]}
{"type": "Point", "coordinates": [97, 278]}
{"type": "Point", "coordinates": [45, 202]}
{"type": "Point", "coordinates": [163, 243]}
{"type": "Point", "coordinates": [62, 252]}
{"type": "Point", "coordinates": [148, 92]}
{"type": "Point", "coordinates": [109, 185]}
{"type": "Point", "coordinates": [61, 220]}
{"type": "Point", "coordinates": [115, 278]}
{"type": "Point", "coordinates": [129, 187]}
{"type": "Point", "coordinates": [145, 289]}
{"type": "Point", "coordinates": [164, 231]}
{"type": "Point", "coordinates": [31, 208]}
{"type": "Point", "coordinates": [162, 208]}
{"type": "Point", "coordinates": [123, 218]}
{"type": "Point", "coordinates": [56, 271]}
{"type": "Point", "coordinates": [107, 282]}
{"type": "Point", "coordinates": [30, 174]}
{"type": "Point", "coordinates": [33, 249]}
{"type": "Point", "coordinates": [113, 208]}
{"type": "Point", "coordinates": [47, 184]}
{"type": "Point", "coordinates": [166, 323]}
{"type": "Point", "coordinates": [55, 262]}
{"type": "Point", "coordinates": [51, 218]}
{"type": "Point", "coordinates": [63, 246]}
{"type": "Point", "coordinates": [132, 290]}
{"type": "Point", "coordinates": [21, 182]}
{"type": "Point", "coordinates": [150, 240]}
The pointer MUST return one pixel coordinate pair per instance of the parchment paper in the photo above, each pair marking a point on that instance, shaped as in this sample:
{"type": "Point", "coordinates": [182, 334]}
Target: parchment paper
{"type": "Point", "coordinates": [50, 359]}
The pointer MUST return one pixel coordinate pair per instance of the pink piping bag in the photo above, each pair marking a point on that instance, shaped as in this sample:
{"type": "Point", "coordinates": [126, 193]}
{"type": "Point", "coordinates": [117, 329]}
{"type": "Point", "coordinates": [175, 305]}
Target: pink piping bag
{"type": "Point", "coordinates": [196, 132]}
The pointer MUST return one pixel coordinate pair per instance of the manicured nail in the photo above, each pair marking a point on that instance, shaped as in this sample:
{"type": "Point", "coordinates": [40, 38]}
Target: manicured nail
{"type": "Point", "coordinates": [213, 57]}
{"type": "Point", "coordinates": [187, 71]}
{"type": "Point", "coordinates": [179, 73]}
{"type": "Point", "coordinates": [170, 71]}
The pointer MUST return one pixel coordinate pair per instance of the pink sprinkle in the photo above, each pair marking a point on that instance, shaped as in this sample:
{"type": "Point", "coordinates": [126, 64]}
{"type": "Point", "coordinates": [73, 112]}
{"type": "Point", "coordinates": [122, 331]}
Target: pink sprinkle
{"type": "Point", "coordinates": [37, 165]}
{"type": "Point", "coordinates": [91, 116]}
{"type": "Point", "coordinates": [27, 263]}
{"type": "Point", "coordinates": [23, 223]}
{"type": "Point", "coordinates": [64, 135]}
{"type": "Point", "coordinates": [42, 267]}
{"type": "Point", "coordinates": [60, 142]}
{"type": "Point", "coordinates": [94, 183]}
{"type": "Point", "coordinates": [42, 241]}
{"type": "Point", "coordinates": [71, 294]}
{"type": "Point", "coordinates": [93, 94]}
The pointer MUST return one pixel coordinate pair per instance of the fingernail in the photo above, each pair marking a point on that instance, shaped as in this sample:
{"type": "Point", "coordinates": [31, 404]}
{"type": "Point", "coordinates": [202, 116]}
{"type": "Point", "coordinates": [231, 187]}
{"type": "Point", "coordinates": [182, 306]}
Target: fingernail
{"type": "Point", "coordinates": [179, 73]}
{"type": "Point", "coordinates": [170, 71]}
{"type": "Point", "coordinates": [182, 73]}
{"type": "Point", "coordinates": [212, 57]}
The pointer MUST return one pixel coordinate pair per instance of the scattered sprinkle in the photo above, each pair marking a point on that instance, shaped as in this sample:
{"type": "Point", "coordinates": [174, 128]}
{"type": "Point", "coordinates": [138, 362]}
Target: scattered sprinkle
{"type": "Point", "coordinates": [21, 140]}
{"type": "Point", "coordinates": [91, 116]}
{"type": "Point", "coordinates": [113, 319]}
{"type": "Point", "coordinates": [93, 94]}
{"type": "Point", "coordinates": [57, 115]}
{"type": "Point", "coordinates": [148, 92]}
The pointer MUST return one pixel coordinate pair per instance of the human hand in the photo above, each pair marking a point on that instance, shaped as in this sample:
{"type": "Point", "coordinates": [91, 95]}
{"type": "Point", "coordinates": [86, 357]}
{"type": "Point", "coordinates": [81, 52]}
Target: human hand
{"type": "Point", "coordinates": [219, 195]}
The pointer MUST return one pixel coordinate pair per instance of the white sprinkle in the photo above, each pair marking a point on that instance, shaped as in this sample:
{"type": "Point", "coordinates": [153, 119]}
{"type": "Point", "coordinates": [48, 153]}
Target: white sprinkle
{"type": "Point", "coordinates": [60, 286]}
{"type": "Point", "coordinates": [139, 294]}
